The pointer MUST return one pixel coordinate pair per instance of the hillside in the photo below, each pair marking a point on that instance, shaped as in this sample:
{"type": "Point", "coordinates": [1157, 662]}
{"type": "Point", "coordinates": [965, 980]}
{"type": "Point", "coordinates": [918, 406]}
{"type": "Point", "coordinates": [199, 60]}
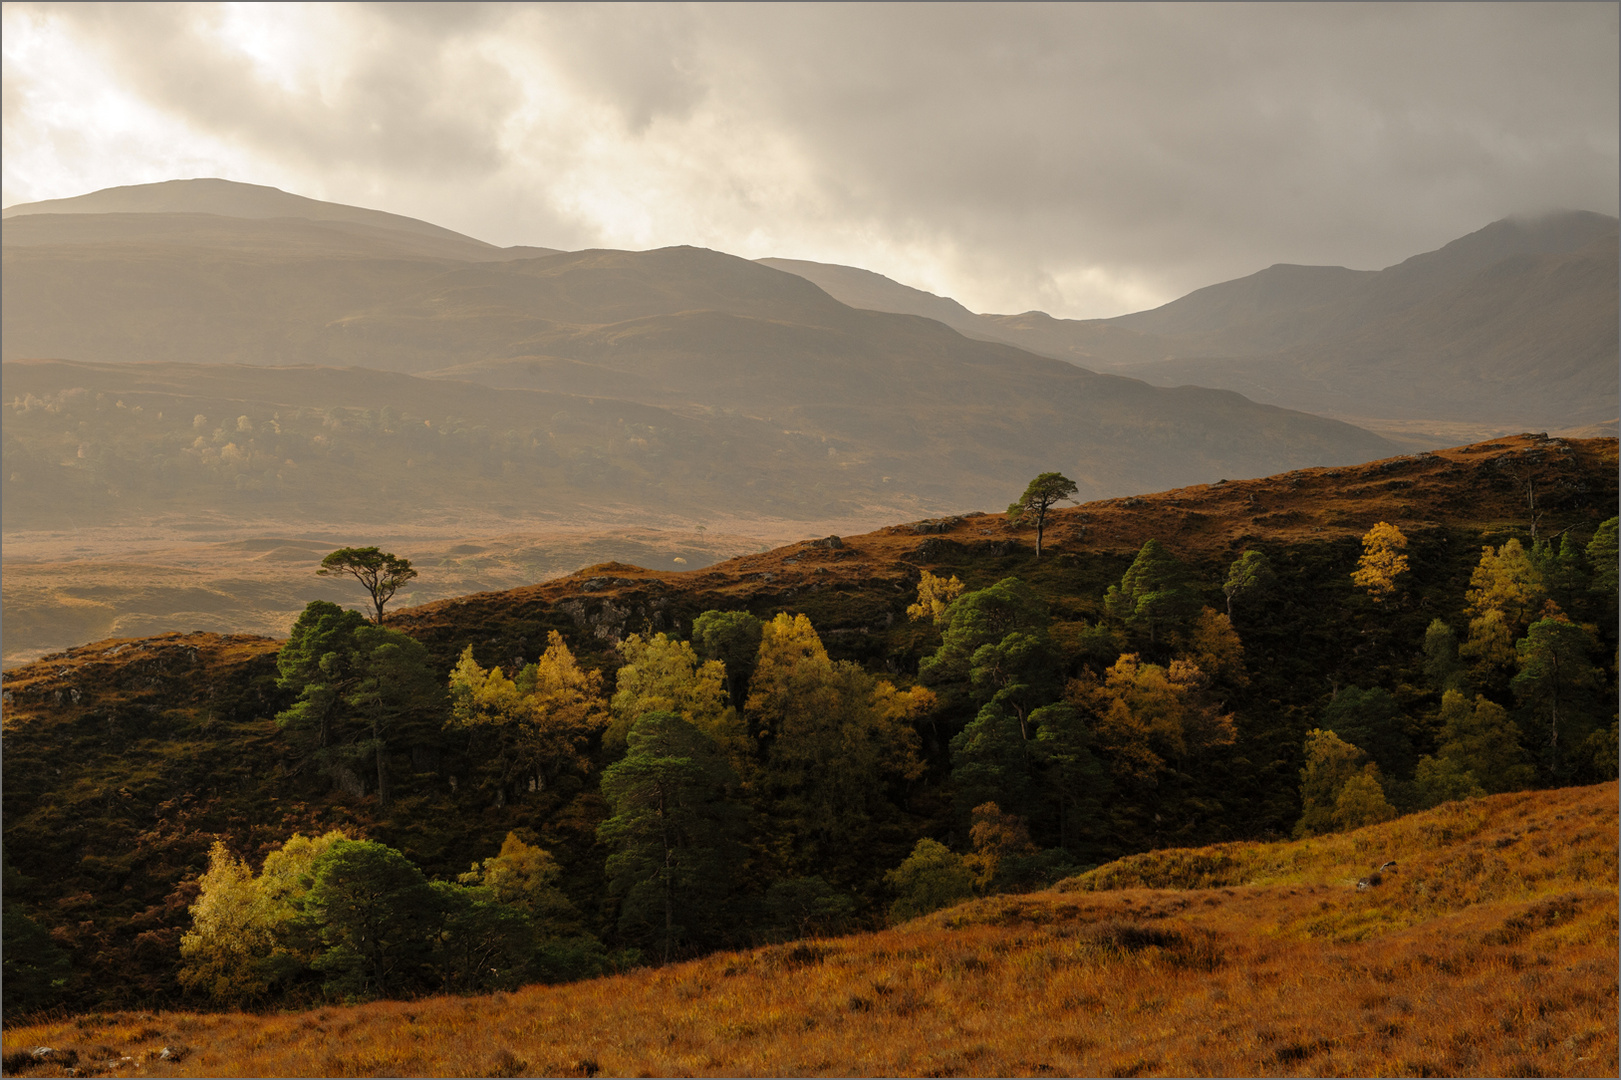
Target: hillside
{"type": "Point", "coordinates": [107, 216]}
{"type": "Point", "coordinates": [1512, 326]}
{"type": "Point", "coordinates": [1490, 950]}
{"type": "Point", "coordinates": [125, 759]}
{"type": "Point", "coordinates": [104, 459]}
{"type": "Point", "coordinates": [1530, 336]}
{"type": "Point", "coordinates": [64, 587]}
{"type": "Point", "coordinates": [682, 329]}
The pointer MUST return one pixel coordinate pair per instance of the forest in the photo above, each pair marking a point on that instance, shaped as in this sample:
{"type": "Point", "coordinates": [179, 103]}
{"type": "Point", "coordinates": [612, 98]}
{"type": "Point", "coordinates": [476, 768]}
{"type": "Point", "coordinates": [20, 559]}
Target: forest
{"type": "Point", "coordinates": [385, 809]}
{"type": "Point", "coordinates": [740, 784]}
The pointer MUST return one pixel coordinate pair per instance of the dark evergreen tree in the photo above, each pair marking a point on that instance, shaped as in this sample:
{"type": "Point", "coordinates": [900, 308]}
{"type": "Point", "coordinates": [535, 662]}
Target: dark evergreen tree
{"type": "Point", "coordinates": [974, 620]}
{"type": "Point", "coordinates": [1372, 720]}
{"type": "Point", "coordinates": [1251, 573]}
{"type": "Point", "coordinates": [674, 835]}
{"type": "Point", "coordinates": [733, 638]}
{"type": "Point", "coordinates": [364, 691]}
{"type": "Point", "coordinates": [1154, 594]}
{"type": "Point", "coordinates": [1555, 684]}
{"type": "Point", "coordinates": [376, 917]}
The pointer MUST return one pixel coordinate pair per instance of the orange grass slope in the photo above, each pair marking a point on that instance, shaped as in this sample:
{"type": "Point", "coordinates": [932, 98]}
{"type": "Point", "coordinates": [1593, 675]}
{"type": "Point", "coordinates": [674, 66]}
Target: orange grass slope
{"type": "Point", "coordinates": [1490, 950]}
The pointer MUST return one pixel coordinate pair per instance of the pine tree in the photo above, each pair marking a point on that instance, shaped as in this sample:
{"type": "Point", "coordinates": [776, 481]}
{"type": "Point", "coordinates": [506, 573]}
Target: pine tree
{"type": "Point", "coordinates": [1154, 593]}
{"type": "Point", "coordinates": [674, 834]}
{"type": "Point", "coordinates": [1250, 573]}
{"type": "Point", "coordinates": [1042, 494]}
{"type": "Point", "coordinates": [1555, 680]}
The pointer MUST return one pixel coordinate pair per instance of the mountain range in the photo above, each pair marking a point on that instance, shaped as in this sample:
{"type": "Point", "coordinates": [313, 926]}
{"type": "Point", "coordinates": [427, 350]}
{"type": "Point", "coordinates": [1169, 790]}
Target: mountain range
{"type": "Point", "coordinates": [906, 412]}
{"type": "Point", "coordinates": [1512, 327]}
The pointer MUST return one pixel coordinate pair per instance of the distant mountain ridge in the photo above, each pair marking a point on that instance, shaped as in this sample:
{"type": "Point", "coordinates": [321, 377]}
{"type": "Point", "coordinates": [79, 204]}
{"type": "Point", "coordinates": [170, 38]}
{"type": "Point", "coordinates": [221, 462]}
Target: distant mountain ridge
{"type": "Point", "coordinates": [902, 408]}
{"type": "Point", "coordinates": [231, 199]}
{"type": "Point", "coordinates": [1514, 324]}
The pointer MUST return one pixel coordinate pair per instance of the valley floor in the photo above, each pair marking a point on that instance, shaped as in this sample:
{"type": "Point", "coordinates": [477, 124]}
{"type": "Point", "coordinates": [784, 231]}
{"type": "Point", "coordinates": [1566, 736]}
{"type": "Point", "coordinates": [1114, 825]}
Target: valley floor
{"type": "Point", "coordinates": [66, 586]}
{"type": "Point", "coordinates": [1491, 950]}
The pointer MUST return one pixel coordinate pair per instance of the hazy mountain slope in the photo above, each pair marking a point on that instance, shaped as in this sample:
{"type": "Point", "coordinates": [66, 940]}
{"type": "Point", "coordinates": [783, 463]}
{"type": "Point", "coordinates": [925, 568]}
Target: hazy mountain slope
{"type": "Point", "coordinates": [101, 233]}
{"type": "Point", "coordinates": [1287, 306]}
{"type": "Point", "coordinates": [1529, 341]}
{"type": "Point", "coordinates": [228, 198]}
{"type": "Point", "coordinates": [101, 444]}
{"type": "Point", "coordinates": [925, 401]}
{"type": "Point", "coordinates": [1512, 326]}
{"type": "Point", "coordinates": [1095, 343]}
{"type": "Point", "coordinates": [913, 408]}
{"type": "Point", "coordinates": [864, 289]}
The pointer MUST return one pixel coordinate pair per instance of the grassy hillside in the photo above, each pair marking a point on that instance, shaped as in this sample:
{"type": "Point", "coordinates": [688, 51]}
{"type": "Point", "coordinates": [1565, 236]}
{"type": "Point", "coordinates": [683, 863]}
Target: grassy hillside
{"type": "Point", "coordinates": [125, 759]}
{"type": "Point", "coordinates": [1489, 950]}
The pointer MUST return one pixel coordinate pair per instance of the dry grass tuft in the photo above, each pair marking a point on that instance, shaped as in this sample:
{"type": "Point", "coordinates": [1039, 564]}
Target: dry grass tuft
{"type": "Point", "coordinates": [1491, 951]}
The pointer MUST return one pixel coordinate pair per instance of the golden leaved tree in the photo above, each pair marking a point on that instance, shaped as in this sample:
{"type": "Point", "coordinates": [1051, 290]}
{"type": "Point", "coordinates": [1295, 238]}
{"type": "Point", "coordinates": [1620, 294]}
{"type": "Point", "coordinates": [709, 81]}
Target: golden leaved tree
{"type": "Point", "coordinates": [934, 596]}
{"type": "Point", "coordinates": [534, 727]}
{"type": "Point", "coordinates": [831, 737]}
{"type": "Point", "coordinates": [1506, 591]}
{"type": "Point", "coordinates": [1150, 716]}
{"type": "Point", "coordinates": [525, 877]}
{"type": "Point", "coordinates": [239, 945]}
{"type": "Point", "coordinates": [664, 674]}
{"type": "Point", "coordinates": [1382, 560]}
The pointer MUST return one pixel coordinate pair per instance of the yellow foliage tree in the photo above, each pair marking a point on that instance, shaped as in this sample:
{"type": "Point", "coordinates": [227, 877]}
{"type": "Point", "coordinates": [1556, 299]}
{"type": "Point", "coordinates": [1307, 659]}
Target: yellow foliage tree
{"type": "Point", "coordinates": [1147, 713]}
{"type": "Point", "coordinates": [1215, 647]}
{"type": "Point", "coordinates": [1361, 801]}
{"type": "Point", "coordinates": [228, 937]}
{"type": "Point", "coordinates": [539, 723]}
{"type": "Point", "coordinates": [901, 710]}
{"type": "Point", "coordinates": [1331, 762]}
{"type": "Point", "coordinates": [934, 596]}
{"type": "Point", "coordinates": [1382, 560]}
{"type": "Point", "coordinates": [239, 921]}
{"type": "Point", "coordinates": [663, 674]}
{"type": "Point", "coordinates": [525, 877]}
{"type": "Point", "coordinates": [1491, 641]}
{"type": "Point", "coordinates": [1506, 581]}
{"type": "Point", "coordinates": [996, 835]}
{"type": "Point", "coordinates": [831, 735]}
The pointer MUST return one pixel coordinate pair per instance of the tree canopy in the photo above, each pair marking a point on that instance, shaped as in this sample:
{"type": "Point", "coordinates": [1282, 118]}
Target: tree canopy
{"type": "Point", "coordinates": [1154, 592]}
{"type": "Point", "coordinates": [1382, 561]}
{"type": "Point", "coordinates": [1042, 494]}
{"type": "Point", "coordinates": [380, 572]}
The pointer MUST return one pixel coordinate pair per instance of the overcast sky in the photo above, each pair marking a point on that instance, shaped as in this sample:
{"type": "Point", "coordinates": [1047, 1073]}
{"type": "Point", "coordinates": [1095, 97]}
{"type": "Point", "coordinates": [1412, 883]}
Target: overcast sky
{"type": "Point", "coordinates": [1086, 159]}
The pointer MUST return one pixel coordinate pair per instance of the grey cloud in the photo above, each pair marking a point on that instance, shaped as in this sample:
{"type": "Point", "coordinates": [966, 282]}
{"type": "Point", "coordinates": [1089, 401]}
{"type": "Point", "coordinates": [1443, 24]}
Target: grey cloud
{"type": "Point", "coordinates": [1173, 145]}
{"type": "Point", "coordinates": [397, 106]}
{"type": "Point", "coordinates": [1219, 138]}
{"type": "Point", "coordinates": [641, 58]}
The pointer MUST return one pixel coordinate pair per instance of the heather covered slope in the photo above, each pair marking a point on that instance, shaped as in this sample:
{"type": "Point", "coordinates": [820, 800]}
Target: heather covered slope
{"type": "Point", "coordinates": [1490, 950]}
{"type": "Point", "coordinates": [125, 759]}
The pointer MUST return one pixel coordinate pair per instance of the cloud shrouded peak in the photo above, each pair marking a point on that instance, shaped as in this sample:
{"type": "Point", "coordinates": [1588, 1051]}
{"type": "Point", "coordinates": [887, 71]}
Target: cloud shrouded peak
{"type": "Point", "coordinates": [1084, 159]}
